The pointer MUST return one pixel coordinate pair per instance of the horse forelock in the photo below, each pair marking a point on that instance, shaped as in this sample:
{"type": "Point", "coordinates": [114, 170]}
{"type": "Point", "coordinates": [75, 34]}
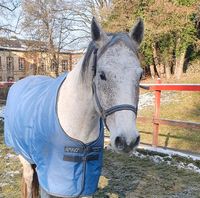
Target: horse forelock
{"type": "Point", "coordinates": [114, 39]}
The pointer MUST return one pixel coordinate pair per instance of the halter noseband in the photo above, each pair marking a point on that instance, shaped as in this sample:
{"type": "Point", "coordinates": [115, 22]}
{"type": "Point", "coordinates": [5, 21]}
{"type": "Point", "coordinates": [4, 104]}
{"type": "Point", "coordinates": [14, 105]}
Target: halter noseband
{"type": "Point", "coordinates": [105, 113]}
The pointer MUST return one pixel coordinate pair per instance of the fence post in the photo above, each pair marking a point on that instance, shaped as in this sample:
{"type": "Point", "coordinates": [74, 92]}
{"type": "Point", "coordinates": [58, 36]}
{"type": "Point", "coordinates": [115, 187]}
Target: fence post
{"type": "Point", "coordinates": [156, 115]}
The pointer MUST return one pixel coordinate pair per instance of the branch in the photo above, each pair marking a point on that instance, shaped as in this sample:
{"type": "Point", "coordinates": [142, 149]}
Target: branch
{"type": "Point", "coordinates": [81, 37]}
{"type": "Point", "coordinates": [15, 6]}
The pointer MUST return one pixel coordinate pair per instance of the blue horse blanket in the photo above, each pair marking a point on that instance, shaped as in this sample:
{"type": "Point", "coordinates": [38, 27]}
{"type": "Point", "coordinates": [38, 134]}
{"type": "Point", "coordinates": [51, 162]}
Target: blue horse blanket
{"type": "Point", "coordinates": [66, 167]}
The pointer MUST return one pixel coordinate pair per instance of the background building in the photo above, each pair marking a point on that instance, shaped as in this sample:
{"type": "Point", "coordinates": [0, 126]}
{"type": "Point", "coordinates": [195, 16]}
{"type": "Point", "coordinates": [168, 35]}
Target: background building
{"type": "Point", "coordinates": [20, 58]}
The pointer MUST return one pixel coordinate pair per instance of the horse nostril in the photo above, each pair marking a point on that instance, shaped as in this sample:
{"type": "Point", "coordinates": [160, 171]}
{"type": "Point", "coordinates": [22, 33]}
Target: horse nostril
{"type": "Point", "coordinates": [137, 141]}
{"type": "Point", "coordinates": [134, 144]}
{"type": "Point", "coordinates": [120, 143]}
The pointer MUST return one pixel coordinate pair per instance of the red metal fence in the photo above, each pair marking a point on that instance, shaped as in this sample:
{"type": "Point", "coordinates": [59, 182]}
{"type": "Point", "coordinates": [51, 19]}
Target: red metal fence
{"type": "Point", "coordinates": [156, 120]}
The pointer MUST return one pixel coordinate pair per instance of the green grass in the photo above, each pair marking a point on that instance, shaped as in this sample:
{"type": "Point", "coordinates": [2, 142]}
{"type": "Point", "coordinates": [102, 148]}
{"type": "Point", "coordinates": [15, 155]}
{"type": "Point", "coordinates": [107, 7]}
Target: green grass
{"type": "Point", "coordinates": [10, 171]}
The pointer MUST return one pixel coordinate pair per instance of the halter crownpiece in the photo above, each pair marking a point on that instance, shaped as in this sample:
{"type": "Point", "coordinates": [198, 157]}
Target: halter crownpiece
{"type": "Point", "coordinates": [105, 113]}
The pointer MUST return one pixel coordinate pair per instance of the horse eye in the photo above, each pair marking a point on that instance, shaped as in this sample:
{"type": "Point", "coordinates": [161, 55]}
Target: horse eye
{"type": "Point", "coordinates": [103, 76]}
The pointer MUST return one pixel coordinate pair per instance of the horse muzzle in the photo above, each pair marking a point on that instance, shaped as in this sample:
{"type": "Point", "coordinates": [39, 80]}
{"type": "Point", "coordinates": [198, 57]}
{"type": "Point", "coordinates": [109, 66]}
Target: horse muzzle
{"type": "Point", "coordinates": [121, 144]}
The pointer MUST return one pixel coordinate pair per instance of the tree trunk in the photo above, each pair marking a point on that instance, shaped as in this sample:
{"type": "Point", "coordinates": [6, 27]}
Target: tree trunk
{"type": "Point", "coordinates": [179, 65]}
{"type": "Point", "coordinates": [155, 58]}
{"type": "Point", "coordinates": [162, 70]}
{"type": "Point", "coordinates": [56, 64]}
{"type": "Point", "coordinates": [152, 71]}
{"type": "Point", "coordinates": [168, 71]}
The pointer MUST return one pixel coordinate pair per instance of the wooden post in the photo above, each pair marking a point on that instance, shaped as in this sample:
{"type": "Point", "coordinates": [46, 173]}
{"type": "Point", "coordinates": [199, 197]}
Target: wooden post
{"type": "Point", "coordinates": [156, 115]}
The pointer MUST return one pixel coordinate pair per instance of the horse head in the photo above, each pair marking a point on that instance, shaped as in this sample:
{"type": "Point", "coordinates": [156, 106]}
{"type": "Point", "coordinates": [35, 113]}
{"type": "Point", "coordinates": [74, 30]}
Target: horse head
{"type": "Point", "coordinates": [115, 81]}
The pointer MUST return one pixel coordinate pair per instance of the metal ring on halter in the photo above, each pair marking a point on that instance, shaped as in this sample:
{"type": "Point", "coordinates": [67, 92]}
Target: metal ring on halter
{"type": "Point", "coordinates": [111, 110]}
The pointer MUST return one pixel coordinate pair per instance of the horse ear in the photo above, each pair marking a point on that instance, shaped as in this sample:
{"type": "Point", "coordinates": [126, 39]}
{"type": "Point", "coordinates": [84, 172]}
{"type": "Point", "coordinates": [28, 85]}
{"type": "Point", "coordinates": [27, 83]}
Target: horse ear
{"type": "Point", "coordinates": [98, 35]}
{"type": "Point", "coordinates": [137, 32]}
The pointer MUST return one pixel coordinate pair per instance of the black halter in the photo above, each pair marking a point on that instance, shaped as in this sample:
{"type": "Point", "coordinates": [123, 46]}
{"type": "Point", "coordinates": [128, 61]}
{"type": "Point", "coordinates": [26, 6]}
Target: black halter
{"type": "Point", "coordinates": [105, 113]}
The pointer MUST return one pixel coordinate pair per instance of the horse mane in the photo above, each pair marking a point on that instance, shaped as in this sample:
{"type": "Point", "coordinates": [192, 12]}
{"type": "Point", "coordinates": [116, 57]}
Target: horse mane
{"type": "Point", "coordinates": [86, 60]}
{"type": "Point", "coordinates": [114, 38]}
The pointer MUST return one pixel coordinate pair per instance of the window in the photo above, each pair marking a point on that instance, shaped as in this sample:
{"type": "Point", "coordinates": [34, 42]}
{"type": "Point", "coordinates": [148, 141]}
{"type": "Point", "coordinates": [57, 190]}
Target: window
{"type": "Point", "coordinates": [64, 65]}
{"type": "Point", "coordinates": [42, 63]}
{"type": "Point", "coordinates": [10, 63]}
{"type": "Point", "coordinates": [21, 63]}
{"type": "Point", "coordinates": [41, 66]}
{"type": "Point", "coordinates": [33, 66]}
{"type": "Point", "coordinates": [53, 65]}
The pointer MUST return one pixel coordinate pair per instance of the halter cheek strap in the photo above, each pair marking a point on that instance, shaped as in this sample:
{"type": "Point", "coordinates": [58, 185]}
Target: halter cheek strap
{"type": "Point", "coordinates": [105, 113]}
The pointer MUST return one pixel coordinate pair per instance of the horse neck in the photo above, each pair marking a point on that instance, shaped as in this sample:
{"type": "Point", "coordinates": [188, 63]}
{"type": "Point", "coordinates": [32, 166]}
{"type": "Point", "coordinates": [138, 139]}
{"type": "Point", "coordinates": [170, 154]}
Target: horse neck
{"type": "Point", "coordinates": [76, 111]}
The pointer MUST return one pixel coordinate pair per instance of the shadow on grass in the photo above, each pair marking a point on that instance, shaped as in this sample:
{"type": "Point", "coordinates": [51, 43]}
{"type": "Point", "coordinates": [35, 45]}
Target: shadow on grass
{"type": "Point", "coordinates": [1, 132]}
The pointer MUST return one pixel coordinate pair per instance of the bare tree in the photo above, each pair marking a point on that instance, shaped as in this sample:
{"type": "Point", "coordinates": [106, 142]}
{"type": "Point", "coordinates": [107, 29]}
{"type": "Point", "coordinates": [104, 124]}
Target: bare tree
{"type": "Point", "coordinates": [100, 8]}
{"type": "Point", "coordinates": [57, 23]}
{"type": "Point", "coordinates": [8, 12]}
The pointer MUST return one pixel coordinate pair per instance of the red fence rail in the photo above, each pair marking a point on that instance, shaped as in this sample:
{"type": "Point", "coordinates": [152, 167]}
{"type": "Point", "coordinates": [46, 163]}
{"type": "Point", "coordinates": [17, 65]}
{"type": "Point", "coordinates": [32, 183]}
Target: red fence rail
{"type": "Point", "coordinates": [5, 84]}
{"type": "Point", "coordinates": [156, 120]}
